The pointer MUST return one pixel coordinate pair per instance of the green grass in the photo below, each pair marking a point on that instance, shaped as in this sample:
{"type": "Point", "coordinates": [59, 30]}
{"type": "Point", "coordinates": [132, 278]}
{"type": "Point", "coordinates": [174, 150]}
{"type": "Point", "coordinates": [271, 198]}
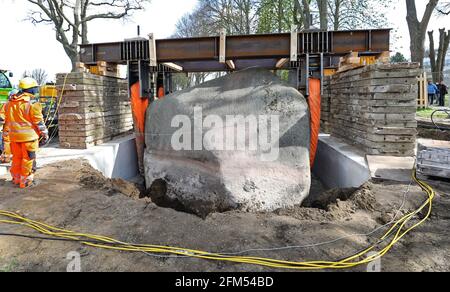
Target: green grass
{"type": "Point", "coordinates": [426, 113]}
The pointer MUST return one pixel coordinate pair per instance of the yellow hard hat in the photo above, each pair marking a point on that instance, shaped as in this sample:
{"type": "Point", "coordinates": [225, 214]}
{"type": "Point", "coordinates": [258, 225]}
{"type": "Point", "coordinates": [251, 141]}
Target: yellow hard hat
{"type": "Point", "coordinates": [27, 83]}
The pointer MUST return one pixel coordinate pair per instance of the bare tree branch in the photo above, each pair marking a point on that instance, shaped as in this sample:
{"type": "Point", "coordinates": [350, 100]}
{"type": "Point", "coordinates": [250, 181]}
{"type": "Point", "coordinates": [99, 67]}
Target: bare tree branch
{"type": "Point", "coordinates": [70, 18]}
{"type": "Point", "coordinates": [418, 28]}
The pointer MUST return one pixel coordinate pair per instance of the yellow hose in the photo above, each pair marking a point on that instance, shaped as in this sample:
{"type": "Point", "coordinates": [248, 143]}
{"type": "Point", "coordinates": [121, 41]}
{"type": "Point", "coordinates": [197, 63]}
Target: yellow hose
{"type": "Point", "coordinates": [397, 232]}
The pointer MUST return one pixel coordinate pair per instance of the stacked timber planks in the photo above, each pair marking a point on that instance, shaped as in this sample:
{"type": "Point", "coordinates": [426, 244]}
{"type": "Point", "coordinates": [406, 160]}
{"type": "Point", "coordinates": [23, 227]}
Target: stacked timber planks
{"type": "Point", "coordinates": [94, 109]}
{"type": "Point", "coordinates": [101, 68]}
{"type": "Point", "coordinates": [374, 107]}
{"type": "Point", "coordinates": [326, 97]}
{"type": "Point", "coordinates": [433, 158]}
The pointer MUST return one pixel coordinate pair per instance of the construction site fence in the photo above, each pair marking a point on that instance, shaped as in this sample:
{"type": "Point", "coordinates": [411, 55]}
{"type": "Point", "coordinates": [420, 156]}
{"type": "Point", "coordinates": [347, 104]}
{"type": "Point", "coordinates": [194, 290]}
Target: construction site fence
{"type": "Point", "coordinates": [423, 79]}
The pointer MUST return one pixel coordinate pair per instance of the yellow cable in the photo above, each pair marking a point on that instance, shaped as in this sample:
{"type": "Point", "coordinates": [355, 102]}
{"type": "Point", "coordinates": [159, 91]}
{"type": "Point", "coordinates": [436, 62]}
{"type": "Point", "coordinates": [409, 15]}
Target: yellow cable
{"type": "Point", "coordinates": [352, 261]}
{"type": "Point", "coordinates": [57, 105]}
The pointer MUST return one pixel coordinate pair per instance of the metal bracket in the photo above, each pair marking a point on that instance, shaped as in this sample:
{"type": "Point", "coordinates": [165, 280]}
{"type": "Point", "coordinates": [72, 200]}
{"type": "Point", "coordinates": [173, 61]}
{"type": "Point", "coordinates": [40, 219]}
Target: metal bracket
{"type": "Point", "coordinates": [223, 46]}
{"type": "Point", "coordinates": [281, 63]}
{"type": "Point", "coordinates": [152, 50]}
{"type": "Point", "coordinates": [231, 65]}
{"type": "Point", "coordinates": [144, 80]}
{"type": "Point", "coordinates": [294, 44]}
{"type": "Point", "coordinates": [307, 76]}
{"type": "Point", "coordinates": [321, 74]}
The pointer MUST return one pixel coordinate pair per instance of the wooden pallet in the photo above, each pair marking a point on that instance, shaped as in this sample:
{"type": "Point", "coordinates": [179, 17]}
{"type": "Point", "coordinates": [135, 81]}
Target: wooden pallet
{"type": "Point", "coordinates": [354, 61]}
{"type": "Point", "coordinates": [422, 99]}
{"type": "Point", "coordinates": [102, 69]}
{"type": "Point", "coordinates": [350, 62]}
{"type": "Point", "coordinates": [433, 158]}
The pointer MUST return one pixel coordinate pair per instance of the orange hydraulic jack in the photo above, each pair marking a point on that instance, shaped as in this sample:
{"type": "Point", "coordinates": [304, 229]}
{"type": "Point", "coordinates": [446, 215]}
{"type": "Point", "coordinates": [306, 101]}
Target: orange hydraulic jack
{"type": "Point", "coordinates": [139, 107]}
{"type": "Point", "coordinates": [314, 102]}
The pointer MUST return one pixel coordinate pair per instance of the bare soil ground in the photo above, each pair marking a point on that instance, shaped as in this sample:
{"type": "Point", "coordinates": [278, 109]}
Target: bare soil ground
{"type": "Point", "coordinates": [434, 134]}
{"type": "Point", "coordinates": [427, 129]}
{"type": "Point", "coordinates": [74, 196]}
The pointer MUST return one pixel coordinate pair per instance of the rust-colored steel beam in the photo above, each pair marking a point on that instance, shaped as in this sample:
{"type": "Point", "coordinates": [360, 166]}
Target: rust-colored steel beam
{"type": "Point", "coordinates": [202, 54]}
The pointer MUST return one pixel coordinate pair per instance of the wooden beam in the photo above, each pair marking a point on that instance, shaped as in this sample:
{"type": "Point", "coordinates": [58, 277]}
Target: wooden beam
{"type": "Point", "coordinates": [281, 63]}
{"type": "Point", "coordinates": [231, 65]}
{"type": "Point", "coordinates": [384, 58]}
{"type": "Point", "coordinates": [174, 67]}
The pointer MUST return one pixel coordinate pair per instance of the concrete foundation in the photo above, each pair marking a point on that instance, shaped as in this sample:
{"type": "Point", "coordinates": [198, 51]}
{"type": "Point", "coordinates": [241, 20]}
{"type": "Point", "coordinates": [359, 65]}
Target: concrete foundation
{"type": "Point", "coordinates": [115, 159]}
{"type": "Point", "coordinates": [339, 165]}
{"type": "Point", "coordinates": [391, 167]}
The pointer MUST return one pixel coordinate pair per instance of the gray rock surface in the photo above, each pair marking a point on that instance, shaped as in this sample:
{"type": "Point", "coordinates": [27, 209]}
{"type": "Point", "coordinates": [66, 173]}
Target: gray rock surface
{"type": "Point", "coordinates": [203, 181]}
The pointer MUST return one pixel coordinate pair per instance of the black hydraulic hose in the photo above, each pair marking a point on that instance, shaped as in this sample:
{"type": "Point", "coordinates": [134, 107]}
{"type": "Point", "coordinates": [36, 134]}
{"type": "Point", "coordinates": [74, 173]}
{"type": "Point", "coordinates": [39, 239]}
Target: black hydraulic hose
{"type": "Point", "coordinates": [436, 125]}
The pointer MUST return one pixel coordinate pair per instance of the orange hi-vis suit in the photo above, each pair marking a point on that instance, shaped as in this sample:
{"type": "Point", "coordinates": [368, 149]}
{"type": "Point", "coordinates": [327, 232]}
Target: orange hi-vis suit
{"type": "Point", "coordinates": [24, 123]}
{"type": "Point", "coordinates": [6, 155]}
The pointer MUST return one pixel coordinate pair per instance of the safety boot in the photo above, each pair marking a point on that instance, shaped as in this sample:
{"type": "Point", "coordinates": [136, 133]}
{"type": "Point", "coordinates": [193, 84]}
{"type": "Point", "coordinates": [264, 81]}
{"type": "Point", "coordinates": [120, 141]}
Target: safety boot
{"type": "Point", "coordinates": [26, 181]}
{"type": "Point", "coordinates": [16, 180]}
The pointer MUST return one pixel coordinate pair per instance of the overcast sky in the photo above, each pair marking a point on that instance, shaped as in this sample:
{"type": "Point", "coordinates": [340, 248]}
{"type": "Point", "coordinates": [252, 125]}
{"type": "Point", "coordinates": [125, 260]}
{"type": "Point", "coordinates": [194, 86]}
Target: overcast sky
{"type": "Point", "coordinates": [25, 46]}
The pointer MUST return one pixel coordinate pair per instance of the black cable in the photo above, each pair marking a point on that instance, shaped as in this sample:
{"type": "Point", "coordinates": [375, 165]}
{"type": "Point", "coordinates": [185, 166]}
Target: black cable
{"type": "Point", "coordinates": [434, 123]}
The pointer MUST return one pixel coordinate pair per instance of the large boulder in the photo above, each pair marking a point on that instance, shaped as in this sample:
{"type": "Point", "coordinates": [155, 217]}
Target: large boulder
{"type": "Point", "coordinates": [192, 162]}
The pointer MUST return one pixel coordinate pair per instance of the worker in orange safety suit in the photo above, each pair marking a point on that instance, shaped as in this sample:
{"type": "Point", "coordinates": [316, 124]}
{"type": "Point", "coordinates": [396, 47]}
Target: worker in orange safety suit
{"type": "Point", "coordinates": [25, 125]}
{"type": "Point", "coordinates": [5, 157]}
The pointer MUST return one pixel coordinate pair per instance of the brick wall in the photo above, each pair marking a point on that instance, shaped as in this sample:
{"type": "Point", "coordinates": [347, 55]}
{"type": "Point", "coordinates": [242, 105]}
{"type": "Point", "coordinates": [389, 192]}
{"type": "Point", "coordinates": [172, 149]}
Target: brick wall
{"type": "Point", "coordinates": [94, 109]}
{"type": "Point", "coordinates": [373, 108]}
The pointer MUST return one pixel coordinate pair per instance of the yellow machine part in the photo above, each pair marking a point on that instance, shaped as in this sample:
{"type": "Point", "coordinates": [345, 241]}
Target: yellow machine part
{"type": "Point", "coordinates": [329, 72]}
{"type": "Point", "coordinates": [48, 91]}
{"type": "Point", "coordinates": [368, 60]}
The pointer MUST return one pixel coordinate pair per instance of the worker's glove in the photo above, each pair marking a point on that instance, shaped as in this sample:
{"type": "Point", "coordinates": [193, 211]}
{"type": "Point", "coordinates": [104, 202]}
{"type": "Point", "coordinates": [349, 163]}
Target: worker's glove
{"type": "Point", "coordinates": [43, 136]}
{"type": "Point", "coordinates": [43, 139]}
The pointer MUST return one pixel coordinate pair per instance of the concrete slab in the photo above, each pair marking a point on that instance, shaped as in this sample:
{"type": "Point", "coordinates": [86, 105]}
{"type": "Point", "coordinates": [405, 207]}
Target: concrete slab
{"type": "Point", "coordinates": [115, 159]}
{"type": "Point", "coordinates": [340, 165]}
{"type": "Point", "coordinates": [391, 168]}
{"type": "Point", "coordinates": [434, 143]}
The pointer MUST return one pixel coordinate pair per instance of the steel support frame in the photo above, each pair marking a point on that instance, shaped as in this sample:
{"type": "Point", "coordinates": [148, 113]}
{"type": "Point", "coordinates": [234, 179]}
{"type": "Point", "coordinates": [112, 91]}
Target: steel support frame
{"type": "Point", "coordinates": [203, 54]}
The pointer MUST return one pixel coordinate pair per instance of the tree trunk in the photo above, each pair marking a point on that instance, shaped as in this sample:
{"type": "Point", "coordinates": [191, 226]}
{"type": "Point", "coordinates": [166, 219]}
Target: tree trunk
{"type": "Point", "coordinates": [337, 12]}
{"type": "Point", "coordinates": [74, 59]}
{"type": "Point", "coordinates": [418, 29]}
{"type": "Point", "coordinates": [323, 11]}
{"type": "Point", "coordinates": [439, 68]}
{"type": "Point", "coordinates": [84, 25]}
{"type": "Point", "coordinates": [432, 54]}
{"type": "Point", "coordinates": [438, 62]}
{"type": "Point", "coordinates": [444, 41]}
{"type": "Point", "coordinates": [248, 17]}
{"type": "Point", "coordinates": [280, 16]}
{"type": "Point", "coordinates": [307, 14]}
{"type": "Point", "coordinates": [298, 14]}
